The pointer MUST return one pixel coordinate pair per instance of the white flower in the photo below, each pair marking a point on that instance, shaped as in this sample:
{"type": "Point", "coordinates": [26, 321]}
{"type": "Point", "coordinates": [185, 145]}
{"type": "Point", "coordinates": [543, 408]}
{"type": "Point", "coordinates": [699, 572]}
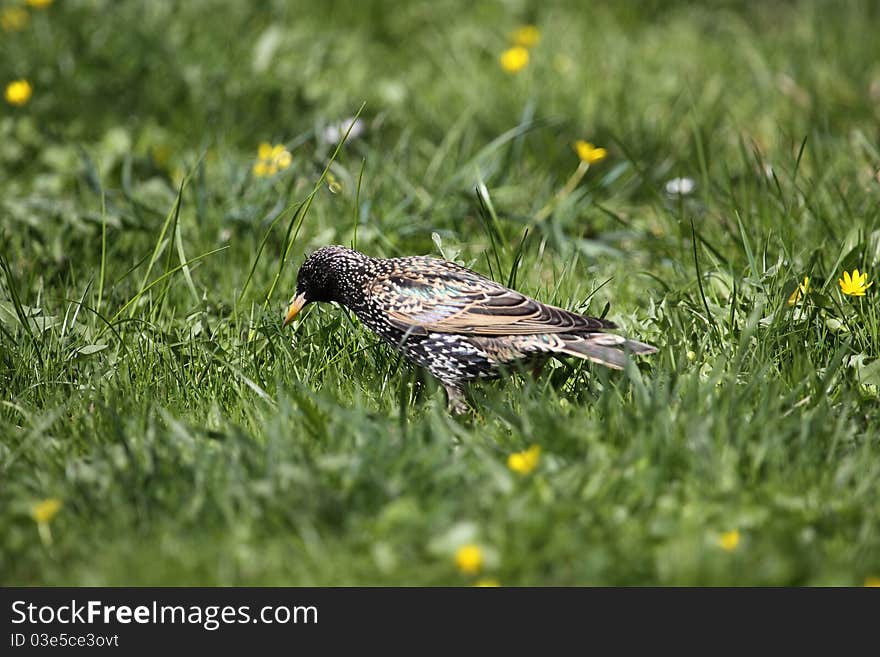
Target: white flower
{"type": "Point", "coordinates": [334, 132]}
{"type": "Point", "coordinates": [680, 186]}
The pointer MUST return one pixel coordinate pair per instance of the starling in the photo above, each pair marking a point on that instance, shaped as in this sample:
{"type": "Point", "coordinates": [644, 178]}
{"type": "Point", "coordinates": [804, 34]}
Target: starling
{"type": "Point", "coordinates": [457, 324]}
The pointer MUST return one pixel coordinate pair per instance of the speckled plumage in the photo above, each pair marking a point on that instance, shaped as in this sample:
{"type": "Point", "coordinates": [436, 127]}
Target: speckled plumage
{"type": "Point", "coordinates": [457, 324]}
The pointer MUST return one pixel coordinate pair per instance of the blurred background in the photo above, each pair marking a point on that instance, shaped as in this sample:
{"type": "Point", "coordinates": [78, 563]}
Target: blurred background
{"type": "Point", "coordinates": [679, 166]}
{"type": "Point", "coordinates": [130, 96]}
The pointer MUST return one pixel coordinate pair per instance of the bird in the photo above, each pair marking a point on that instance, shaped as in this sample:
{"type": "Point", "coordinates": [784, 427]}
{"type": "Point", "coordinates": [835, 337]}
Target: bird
{"type": "Point", "coordinates": [454, 322]}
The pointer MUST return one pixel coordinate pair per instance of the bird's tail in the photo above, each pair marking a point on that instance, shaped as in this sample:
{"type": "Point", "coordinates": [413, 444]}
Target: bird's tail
{"type": "Point", "coordinates": [605, 348]}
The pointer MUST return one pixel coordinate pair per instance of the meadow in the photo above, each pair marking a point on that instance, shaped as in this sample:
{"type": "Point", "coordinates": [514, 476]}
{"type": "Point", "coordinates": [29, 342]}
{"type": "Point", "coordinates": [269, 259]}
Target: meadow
{"type": "Point", "coordinates": [165, 168]}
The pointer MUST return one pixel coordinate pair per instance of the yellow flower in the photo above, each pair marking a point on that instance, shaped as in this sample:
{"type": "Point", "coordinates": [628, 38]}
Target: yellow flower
{"type": "Point", "coordinates": [514, 59]}
{"type": "Point", "coordinates": [39, 4]}
{"type": "Point", "coordinates": [18, 92]}
{"type": "Point", "coordinates": [872, 582]}
{"type": "Point", "coordinates": [800, 291]}
{"type": "Point", "coordinates": [13, 19]}
{"type": "Point", "coordinates": [729, 541]}
{"type": "Point", "coordinates": [282, 157]}
{"type": "Point", "coordinates": [487, 582]}
{"type": "Point", "coordinates": [469, 559]}
{"type": "Point", "coordinates": [526, 461]}
{"type": "Point", "coordinates": [271, 159]}
{"type": "Point", "coordinates": [854, 285]}
{"type": "Point", "coordinates": [526, 36]}
{"type": "Point", "coordinates": [43, 512]}
{"type": "Point", "coordinates": [264, 150]}
{"type": "Point", "coordinates": [589, 153]}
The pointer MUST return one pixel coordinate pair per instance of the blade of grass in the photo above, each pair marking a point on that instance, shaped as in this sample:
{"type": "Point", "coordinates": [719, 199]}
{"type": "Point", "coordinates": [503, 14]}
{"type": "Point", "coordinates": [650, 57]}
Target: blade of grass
{"type": "Point", "coordinates": [357, 204]}
{"type": "Point", "coordinates": [160, 279]}
{"type": "Point", "coordinates": [709, 317]}
{"type": "Point", "coordinates": [297, 219]}
{"type": "Point", "coordinates": [19, 308]}
{"type": "Point", "coordinates": [157, 249]}
{"type": "Point", "coordinates": [101, 276]}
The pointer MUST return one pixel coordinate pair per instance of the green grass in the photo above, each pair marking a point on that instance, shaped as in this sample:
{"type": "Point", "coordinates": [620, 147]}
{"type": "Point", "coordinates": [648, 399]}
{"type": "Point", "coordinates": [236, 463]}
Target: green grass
{"type": "Point", "coordinates": [145, 380]}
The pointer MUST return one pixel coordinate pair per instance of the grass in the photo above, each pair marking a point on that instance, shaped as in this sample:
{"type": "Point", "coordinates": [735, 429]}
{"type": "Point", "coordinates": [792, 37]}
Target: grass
{"type": "Point", "coordinates": [145, 381]}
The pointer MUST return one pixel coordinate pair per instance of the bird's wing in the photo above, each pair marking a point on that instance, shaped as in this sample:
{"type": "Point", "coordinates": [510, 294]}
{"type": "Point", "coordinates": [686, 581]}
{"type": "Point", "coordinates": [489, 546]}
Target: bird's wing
{"type": "Point", "coordinates": [426, 294]}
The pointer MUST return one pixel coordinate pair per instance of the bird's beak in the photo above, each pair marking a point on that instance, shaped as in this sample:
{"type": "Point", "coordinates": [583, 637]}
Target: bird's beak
{"type": "Point", "coordinates": [294, 309]}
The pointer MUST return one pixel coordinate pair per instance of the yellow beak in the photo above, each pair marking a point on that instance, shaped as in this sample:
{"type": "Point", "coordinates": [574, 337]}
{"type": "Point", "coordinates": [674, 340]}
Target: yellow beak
{"type": "Point", "coordinates": [294, 309]}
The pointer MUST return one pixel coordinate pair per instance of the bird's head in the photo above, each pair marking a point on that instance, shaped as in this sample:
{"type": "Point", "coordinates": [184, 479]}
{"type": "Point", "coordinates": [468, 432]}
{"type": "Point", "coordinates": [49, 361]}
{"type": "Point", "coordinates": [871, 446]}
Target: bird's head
{"type": "Point", "coordinates": [329, 274]}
